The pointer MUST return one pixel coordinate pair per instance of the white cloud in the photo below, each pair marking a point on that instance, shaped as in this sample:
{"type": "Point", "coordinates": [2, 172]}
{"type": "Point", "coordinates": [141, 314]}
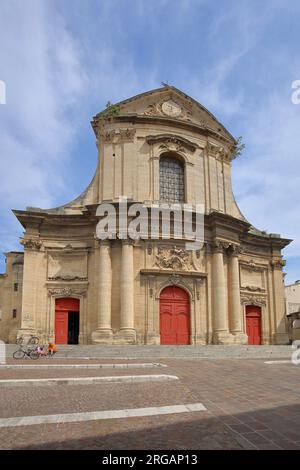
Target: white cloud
{"type": "Point", "coordinates": [267, 178]}
{"type": "Point", "coordinates": [40, 64]}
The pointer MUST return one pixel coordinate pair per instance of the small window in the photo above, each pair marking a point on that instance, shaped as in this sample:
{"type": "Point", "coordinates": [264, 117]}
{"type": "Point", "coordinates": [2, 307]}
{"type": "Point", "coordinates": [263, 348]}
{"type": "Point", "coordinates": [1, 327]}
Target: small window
{"type": "Point", "coordinates": [16, 287]}
{"type": "Point", "coordinates": [14, 313]}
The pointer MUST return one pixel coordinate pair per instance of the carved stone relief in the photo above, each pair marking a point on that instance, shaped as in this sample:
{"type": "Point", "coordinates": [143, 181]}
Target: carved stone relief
{"type": "Point", "coordinates": [173, 258]}
{"type": "Point", "coordinates": [170, 108]}
{"type": "Point", "coordinates": [67, 291]}
{"type": "Point", "coordinates": [117, 136]}
{"type": "Point", "coordinates": [252, 300]}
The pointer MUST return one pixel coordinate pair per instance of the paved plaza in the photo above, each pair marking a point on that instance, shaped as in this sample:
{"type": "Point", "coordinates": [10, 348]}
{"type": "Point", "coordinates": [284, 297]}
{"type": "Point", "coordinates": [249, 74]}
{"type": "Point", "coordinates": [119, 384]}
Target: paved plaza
{"type": "Point", "coordinates": [225, 401]}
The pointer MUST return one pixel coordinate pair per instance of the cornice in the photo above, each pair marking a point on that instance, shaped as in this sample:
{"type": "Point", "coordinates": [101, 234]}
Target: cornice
{"type": "Point", "coordinates": [166, 121]}
{"type": "Point", "coordinates": [167, 272]}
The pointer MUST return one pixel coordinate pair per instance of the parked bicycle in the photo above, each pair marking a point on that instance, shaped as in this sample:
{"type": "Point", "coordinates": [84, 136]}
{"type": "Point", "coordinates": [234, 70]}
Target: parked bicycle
{"type": "Point", "coordinates": [25, 351]}
{"type": "Point", "coordinates": [31, 340]}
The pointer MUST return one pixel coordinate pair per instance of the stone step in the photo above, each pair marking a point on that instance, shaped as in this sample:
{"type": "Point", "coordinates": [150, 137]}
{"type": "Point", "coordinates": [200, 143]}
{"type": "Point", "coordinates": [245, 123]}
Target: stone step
{"type": "Point", "coordinates": [141, 351]}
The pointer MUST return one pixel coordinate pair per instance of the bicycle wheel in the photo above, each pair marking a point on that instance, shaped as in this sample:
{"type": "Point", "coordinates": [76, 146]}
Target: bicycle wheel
{"type": "Point", "coordinates": [33, 340]}
{"type": "Point", "coordinates": [19, 354]}
{"type": "Point", "coordinates": [34, 354]}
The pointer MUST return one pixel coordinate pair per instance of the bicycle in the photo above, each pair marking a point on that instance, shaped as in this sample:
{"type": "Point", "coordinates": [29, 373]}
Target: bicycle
{"type": "Point", "coordinates": [22, 352]}
{"type": "Point", "coordinates": [32, 340]}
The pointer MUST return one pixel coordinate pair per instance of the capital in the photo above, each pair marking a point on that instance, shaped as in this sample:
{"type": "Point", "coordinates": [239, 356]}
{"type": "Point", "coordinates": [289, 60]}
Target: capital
{"type": "Point", "coordinates": [217, 246]}
{"type": "Point", "coordinates": [235, 250]}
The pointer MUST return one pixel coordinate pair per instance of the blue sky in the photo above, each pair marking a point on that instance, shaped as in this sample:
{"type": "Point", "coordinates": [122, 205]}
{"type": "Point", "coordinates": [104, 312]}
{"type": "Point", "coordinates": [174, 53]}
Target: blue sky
{"type": "Point", "coordinates": [63, 60]}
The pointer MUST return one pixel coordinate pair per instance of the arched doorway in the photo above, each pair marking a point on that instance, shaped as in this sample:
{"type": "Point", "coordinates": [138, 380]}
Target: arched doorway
{"type": "Point", "coordinates": [66, 321]}
{"type": "Point", "coordinates": [253, 324]}
{"type": "Point", "coordinates": [174, 316]}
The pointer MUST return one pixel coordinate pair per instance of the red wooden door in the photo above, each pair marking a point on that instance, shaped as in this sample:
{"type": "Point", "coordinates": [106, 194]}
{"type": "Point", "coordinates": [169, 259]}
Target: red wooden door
{"type": "Point", "coordinates": [61, 327]}
{"type": "Point", "coordinates": [62, 308]}
{"type": "Point", "coordinates": [174, 316]}
{"type": "Point", "coordinates": [253, 324]}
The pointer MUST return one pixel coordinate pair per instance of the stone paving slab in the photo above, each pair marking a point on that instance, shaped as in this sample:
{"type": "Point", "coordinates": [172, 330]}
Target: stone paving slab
{"type": "Point", "coordinates": [27, 401]}
{"type": "Point", "coordinates": [38, 373]}
{"type": "Point", "coordinates": [37, 365]}
{"type": "Point", "coordinates": [250, 405]}
{"type": "Point", "coordinates": [84, 380]}
{"type": "Point", "coordinates": [100, 415]}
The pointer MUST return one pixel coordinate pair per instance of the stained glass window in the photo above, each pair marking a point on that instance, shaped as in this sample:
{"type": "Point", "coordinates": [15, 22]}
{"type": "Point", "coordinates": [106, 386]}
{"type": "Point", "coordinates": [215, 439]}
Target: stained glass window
{"type": "Point", "coordinates": [171, 180]}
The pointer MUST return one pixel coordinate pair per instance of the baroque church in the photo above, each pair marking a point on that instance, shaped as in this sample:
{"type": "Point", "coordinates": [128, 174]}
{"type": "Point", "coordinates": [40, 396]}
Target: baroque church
{"type": "Point", "coordinates": [69, 286]}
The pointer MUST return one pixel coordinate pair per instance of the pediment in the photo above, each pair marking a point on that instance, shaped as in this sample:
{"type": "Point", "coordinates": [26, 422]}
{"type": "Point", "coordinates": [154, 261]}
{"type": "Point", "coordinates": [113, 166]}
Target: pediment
{"type": "Point", "coordinates": [170, 103]}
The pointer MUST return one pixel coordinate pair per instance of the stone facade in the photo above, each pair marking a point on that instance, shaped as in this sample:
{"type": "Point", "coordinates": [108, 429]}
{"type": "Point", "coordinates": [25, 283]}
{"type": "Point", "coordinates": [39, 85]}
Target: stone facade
{"type": "Point", "coordinates": [119, 282]}
{"type": "Point", "coordinates": [11, 286]}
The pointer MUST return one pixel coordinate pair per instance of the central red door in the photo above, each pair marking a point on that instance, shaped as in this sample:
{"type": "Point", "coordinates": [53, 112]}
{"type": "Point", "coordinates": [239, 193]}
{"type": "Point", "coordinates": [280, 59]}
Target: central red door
{"type": "Point", "coordinates": [174, 316]}
{"type": "Point", "coordinates": [253, 324]}
{"type": "Point", "coordinates": [62, 309]}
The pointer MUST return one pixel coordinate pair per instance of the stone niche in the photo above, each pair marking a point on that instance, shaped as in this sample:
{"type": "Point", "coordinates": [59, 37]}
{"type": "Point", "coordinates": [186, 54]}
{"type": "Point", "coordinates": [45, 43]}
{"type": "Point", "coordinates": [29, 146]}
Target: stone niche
{"type": "Point", "coordinates": [67, 266]}
{"type": "Point", "coordinates": [252, 277]}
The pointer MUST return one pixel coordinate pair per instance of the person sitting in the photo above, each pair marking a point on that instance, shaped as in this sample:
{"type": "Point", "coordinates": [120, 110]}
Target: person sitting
{"type": "Point", "coordinates": [51, 349]}
{"type": "Point", "coordinates": [41, 350]}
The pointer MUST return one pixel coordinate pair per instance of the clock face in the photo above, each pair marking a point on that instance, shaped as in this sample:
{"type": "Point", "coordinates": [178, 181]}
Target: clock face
{"type": "Point", "coordinates": [171, 108]}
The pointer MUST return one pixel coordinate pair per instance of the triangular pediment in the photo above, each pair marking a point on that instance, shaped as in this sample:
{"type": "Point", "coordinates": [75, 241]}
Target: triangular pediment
{"type": "Point", "coordinates": [169, 102]}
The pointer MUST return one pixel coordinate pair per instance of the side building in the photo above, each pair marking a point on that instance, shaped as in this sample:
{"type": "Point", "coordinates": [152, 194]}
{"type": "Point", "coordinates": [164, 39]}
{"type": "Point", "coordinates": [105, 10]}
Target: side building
{"type": "Point", "coordinates": [11, 286]}
{"type": "Point", "coordinates": [292, 307]}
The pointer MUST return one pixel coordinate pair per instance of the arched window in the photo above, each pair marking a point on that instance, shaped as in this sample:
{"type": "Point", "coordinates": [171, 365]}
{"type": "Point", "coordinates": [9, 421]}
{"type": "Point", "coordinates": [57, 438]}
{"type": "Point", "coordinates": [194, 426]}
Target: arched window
{"type": "Point", "coordinates": [171, 179]}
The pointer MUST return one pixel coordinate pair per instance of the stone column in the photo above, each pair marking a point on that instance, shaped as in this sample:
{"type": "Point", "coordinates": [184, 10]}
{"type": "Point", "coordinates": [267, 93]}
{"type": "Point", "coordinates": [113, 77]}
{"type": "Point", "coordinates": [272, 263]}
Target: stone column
{"type": "Point", "coordinates": [234, 297]}
{"type": "Point", "coordinates": [127, 333]}
{"type": "Point", "coordinates": [220, 320]}
{"type": "Point", "coordinates": [103, 334]}
{"type": "Point", "coordinates": [281, 334]}
{"type": "Point", "coordinates": [31, 273]}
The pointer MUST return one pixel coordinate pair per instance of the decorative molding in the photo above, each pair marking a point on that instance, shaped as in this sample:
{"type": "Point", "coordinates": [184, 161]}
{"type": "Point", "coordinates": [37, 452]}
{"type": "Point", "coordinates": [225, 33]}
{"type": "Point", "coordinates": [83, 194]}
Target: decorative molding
{"type": "Point", "coordinates": [128, 241]}
{"type": "Point", "coordinates": [218, 151]}
{"type": "Point", "coordinates": [171, 142]}
{"type": "Point", "coordinates": [234, 250]}
{"type": "Point", "coordinates": [31, 243]}
{"type": "Point", "coordinates": [158, 109]}
{"type": "Point", "coordinates": [153, 110]}
{"type": "Point", "coordinates": [277, 263]}
{"type": "Point", "coordinates": [174, 280]}
{"type": "Point", "coordinates": [252, 266]}
{"type": "Point", "coordinates": [219, 246]}
{"type": "Point", "coordinates": [173, 258]}
{"type": "Point", "coordinates": [68, 248]}
{"type": "Point", "coordinates": [67, 291]}
{"type": "Point", "coordinates": [254, 288]}
{"type": "Point", "coordinates": [117, 136]}
{"type": "Point", "coordinates": [149, 249]}
{"type": "Point", "coordinates": [67, 277]}
{"type": "Point", "coordinates": [253, 300]}
{"type": "Point", "coordinates": [199, 283]}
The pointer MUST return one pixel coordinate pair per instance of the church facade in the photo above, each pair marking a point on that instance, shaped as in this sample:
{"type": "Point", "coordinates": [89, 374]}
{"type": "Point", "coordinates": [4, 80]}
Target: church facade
{"type": "Point", "coordinates": [70, 286]}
